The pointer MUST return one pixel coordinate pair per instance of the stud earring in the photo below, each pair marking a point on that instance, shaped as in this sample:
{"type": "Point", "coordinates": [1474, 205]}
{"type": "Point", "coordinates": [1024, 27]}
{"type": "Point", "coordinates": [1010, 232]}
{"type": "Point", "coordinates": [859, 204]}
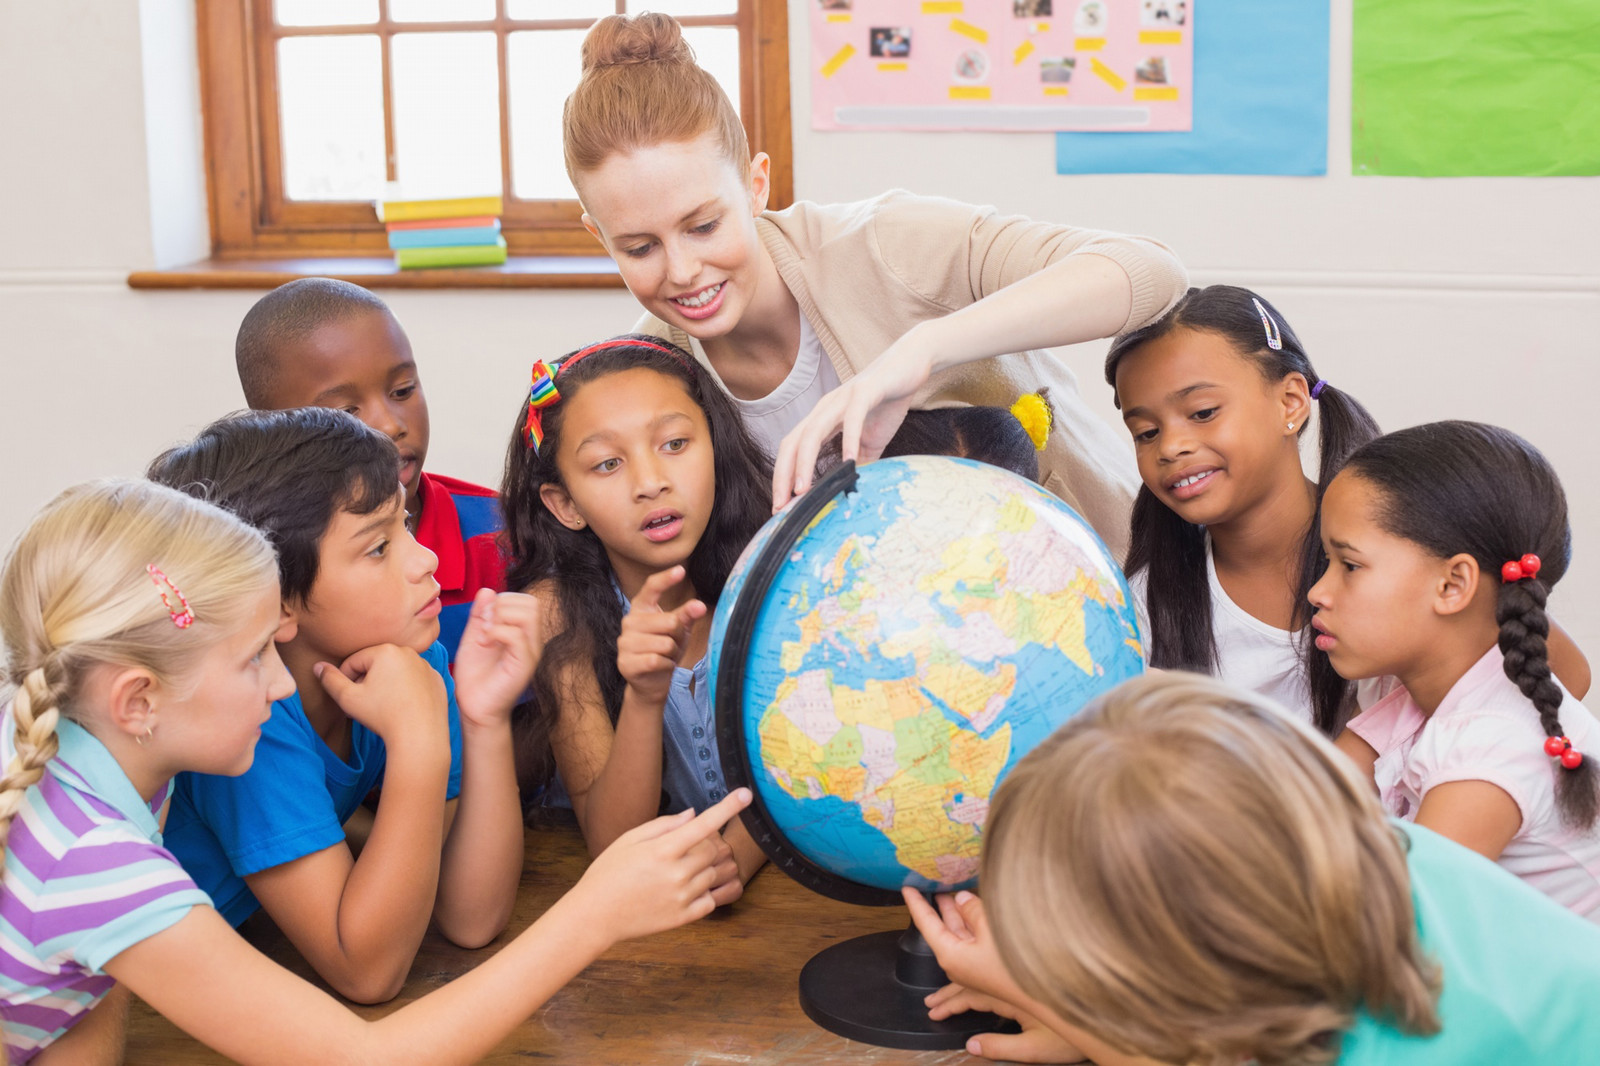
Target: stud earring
{"type": "Point", "coordinates": [1291, 425]}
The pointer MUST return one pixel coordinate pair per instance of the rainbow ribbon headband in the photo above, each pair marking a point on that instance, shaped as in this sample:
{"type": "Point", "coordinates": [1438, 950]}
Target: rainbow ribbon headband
{"type": "Point", "coordinates": [182, 616]}
{"type": "Point", "coordinates": [543, 394]}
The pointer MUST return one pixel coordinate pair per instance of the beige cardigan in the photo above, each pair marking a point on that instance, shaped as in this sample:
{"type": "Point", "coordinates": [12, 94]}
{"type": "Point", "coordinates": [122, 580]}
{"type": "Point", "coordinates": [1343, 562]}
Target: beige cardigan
{"type": "Point", "coordinates": [865, 273]}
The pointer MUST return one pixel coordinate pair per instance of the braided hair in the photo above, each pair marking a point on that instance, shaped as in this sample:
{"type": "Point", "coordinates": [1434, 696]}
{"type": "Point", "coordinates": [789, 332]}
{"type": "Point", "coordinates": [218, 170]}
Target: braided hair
{"type": "Point", "coordinates": [1173, 551]}
{"type": "Point", "coordinates": [1464, 487]}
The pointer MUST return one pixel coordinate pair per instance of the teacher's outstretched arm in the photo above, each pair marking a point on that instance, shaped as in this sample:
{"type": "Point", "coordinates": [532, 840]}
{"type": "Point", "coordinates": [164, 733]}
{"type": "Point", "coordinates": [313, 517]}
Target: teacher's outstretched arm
{"type": "Point", "coordinates": [1079, 298]}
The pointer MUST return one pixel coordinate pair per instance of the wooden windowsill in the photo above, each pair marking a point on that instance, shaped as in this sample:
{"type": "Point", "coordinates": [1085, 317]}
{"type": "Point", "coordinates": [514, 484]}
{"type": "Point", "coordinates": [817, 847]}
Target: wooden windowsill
{"type": "Point", "coordinates": [519, 272]}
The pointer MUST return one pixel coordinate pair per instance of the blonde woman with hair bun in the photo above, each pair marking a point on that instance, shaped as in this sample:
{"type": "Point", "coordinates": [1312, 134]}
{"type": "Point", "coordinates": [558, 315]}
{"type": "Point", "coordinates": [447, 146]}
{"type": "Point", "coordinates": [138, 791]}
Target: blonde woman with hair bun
{"type": "Point", "coordinates": [1184, 873]}
{"type": "Point", "coordinates": [827, 318]}
{"type": "Point", "coordinates": [139, 627]}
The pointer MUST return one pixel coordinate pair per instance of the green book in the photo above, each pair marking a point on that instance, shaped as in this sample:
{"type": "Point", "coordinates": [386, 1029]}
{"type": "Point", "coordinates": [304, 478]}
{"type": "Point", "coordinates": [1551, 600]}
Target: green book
{"type": "Point", "coordinates": [452, 255]}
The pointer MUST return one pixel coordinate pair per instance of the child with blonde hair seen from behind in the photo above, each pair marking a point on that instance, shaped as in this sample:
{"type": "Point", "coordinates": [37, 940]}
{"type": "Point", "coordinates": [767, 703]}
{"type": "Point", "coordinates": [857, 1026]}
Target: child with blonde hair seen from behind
{"type": "Point", "coordinates": [1186, 874]}
{"type": "Point", "coordinates": [138, 626]}
{"type": "Point", "coordinates": [1444, 541]}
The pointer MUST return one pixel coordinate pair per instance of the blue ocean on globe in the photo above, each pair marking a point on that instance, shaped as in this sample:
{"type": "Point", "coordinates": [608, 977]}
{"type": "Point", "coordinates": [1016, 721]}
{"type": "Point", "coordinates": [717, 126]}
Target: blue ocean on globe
{"type": "Point", "coordinates": [927, 629]}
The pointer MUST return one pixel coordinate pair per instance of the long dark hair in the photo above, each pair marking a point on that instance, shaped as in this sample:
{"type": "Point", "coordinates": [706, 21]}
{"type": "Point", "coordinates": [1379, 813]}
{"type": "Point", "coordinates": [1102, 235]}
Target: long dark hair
{"type": "Point", "coordinates": [1173, 552]}
{"type": "Point", "coordinates": [541, 549]}
{"type": "Point", "coordinates": [1464, 487]}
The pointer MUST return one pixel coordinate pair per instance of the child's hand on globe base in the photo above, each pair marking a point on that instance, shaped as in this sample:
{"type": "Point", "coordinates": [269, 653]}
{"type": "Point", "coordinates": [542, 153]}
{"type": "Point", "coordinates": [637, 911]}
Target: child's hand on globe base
{"type": "Point", "coordinates": [653, 640]}
{"type": "Point", "coordinates": [1036, 1042]}
{"type": "Point", "coordinates": [659, 875]}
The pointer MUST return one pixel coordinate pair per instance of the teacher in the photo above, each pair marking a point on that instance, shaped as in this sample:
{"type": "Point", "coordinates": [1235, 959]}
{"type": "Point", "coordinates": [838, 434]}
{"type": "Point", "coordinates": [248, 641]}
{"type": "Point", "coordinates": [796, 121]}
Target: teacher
{"type": "Point", "coordinates": [829, 318]}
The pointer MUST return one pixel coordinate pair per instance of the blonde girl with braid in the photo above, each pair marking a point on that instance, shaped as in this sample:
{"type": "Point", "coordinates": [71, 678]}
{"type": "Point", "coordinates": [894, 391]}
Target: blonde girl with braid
{"type": "Point", "coordinates": [139, 628]}
{"type": "Point", "coordinates": [1443, 543]}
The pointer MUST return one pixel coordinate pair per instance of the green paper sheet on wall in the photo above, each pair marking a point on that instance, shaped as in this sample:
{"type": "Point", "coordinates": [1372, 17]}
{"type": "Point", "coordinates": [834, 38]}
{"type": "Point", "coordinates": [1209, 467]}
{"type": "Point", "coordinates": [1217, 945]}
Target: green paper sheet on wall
{"type": "Point", "coordinates": [1476, 87]}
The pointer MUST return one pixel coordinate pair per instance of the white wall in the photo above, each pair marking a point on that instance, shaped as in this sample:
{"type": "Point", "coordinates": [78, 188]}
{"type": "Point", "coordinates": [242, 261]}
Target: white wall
{"type": "Point", "coordinates": [1471, 298]}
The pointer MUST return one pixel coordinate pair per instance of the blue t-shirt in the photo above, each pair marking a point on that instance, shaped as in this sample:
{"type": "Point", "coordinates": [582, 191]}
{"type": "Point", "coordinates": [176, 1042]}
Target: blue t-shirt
{"type": "Point", "coordinates": [292, 802]}
{"type": "Point", "coordinates": [1521, 973]}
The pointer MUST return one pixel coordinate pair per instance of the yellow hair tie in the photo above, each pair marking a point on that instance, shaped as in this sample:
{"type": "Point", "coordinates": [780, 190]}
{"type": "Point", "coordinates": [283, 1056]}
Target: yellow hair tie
{"type": "Point", "coordinates": [1036, 416]}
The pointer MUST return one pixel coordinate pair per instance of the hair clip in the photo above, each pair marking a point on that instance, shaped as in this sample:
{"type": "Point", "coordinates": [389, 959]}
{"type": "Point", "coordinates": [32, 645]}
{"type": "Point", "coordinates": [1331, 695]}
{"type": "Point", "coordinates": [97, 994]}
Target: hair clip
{"type": "Point", "coordinates": [1274, 338]}
{"type": "Point", "coordinates": [1316, 390]}
{"type": "Point", "coordinates": [1036, 416]}
{"type": "Point", "coordinates": [184, 618]}
{"type": "Point", "coordinates": [1561, 748]}
{"type": "Point", "coordinates": [1517, 569]}
{"type": "Point", "coordinates": [542, 393]}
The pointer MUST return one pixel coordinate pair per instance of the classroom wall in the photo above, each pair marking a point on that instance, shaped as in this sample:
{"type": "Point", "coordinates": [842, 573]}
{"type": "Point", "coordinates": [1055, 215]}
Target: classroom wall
{"type": "Point", "coordinates": [1469, 298]}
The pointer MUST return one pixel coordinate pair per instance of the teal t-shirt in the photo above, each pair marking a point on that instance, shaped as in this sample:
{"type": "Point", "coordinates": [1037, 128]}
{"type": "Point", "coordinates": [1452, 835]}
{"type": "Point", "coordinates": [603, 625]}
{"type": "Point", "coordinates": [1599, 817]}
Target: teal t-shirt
{"type": "Point", "coordinates": [1521, 974]}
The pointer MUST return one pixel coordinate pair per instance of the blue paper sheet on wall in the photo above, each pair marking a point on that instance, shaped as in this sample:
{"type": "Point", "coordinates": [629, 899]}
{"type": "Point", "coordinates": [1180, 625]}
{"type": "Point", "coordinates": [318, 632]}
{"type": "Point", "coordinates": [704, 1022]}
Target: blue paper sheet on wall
{"type": "Point", "coordinates": [1260, 100]}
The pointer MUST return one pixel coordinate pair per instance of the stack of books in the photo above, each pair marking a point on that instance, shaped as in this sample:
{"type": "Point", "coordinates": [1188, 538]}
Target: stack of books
{"type": "Point", "coordinates": [464, 231]}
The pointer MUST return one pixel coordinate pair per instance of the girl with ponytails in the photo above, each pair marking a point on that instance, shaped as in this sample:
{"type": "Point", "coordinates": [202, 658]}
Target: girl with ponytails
{"type": "Point", "coordinates": [140, 628]}
{"type": "Point", "coordinates": [1443, 542]}
{"type": "Point", "coordinates": [1218, 394]}
{"type": "Point", "coordinates": [631, 487]}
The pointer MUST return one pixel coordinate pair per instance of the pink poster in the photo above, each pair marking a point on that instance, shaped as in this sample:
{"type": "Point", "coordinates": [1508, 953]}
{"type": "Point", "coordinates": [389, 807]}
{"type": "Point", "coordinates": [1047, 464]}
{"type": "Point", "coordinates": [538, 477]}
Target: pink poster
{"type": "Point", "coordinates": [1002, 64]}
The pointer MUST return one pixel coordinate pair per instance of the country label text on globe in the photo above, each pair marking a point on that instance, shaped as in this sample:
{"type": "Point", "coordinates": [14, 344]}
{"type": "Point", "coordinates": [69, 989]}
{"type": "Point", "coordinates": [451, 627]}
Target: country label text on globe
{"type": "Point", "coordinates": [926, 631]}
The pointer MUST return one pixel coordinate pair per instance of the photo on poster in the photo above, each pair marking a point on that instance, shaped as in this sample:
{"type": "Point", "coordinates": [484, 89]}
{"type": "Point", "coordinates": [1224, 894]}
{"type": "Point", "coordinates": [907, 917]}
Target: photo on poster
{"type": "Point", "coordinates": [972, 65]}
{"type": "Point", "coordinates": [1163, 14]}
{"type": "Point", "coordinates": [890, 42]}
{"type": "Point", "coordinates": [836, 5]}
{"type": "Point", "coordinates": [1032, 9]}
{"type": "Point", "coordinates": [1057, 70]}
{"type": "Point", "coordinates": [1152, 71]}
{"type": "Point", "coordinates": [1092, 19]}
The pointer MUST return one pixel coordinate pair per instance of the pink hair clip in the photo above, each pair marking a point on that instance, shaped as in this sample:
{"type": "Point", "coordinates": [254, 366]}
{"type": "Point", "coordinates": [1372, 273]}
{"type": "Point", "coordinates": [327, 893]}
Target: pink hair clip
{"type": "Point", "coordinates": [184, 618]}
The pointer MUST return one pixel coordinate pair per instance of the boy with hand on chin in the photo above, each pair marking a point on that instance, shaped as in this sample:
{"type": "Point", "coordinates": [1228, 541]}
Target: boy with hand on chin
{"type": "Point", "coordinates": [318, 342]}
{"type": "Point", "coordinates": [376, 707]}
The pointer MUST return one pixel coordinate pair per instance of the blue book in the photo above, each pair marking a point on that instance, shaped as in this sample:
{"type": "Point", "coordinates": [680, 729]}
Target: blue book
{"type": "Point", "coordinates": [445, 236]}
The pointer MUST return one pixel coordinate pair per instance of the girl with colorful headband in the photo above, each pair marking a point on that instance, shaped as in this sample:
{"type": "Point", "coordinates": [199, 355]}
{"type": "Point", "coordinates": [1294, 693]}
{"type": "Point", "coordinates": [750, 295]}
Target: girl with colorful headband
{"type": "Point", "coordinates": [1444, 541]}
{"type": "Point", "coordinates": [139, 627]}
{"type": "Point", "coordinates": [822, 319]}
{"type": "Point", "coordinates": [1185, 874]}
{"type": "Point", "coordinates": [631, 486]}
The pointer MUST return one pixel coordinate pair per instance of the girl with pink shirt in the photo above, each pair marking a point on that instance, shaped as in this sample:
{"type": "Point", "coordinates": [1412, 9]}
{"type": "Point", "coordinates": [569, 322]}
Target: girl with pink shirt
{"type": "Point", "coordinates": [1443, 542]}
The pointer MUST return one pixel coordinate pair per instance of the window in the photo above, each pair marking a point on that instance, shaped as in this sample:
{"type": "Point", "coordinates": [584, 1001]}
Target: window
{"type": "Point", "coordinates": [312, 105]}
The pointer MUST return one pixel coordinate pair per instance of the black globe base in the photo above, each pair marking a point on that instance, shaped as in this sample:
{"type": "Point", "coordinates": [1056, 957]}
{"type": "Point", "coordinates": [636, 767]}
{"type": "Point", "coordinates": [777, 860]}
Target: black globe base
{"type": "Point", "coordinates": [870, 988]}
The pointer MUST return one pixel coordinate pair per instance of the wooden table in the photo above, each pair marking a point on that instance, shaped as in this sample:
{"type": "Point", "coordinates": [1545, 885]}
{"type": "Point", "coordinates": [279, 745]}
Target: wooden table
{"type": "Point", "coordinates": [720, 992]}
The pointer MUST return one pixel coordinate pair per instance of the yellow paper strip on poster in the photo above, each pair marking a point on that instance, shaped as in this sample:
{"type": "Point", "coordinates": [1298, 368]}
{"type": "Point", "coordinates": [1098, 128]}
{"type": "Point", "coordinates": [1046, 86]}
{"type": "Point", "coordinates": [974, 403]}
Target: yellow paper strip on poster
{"type": "Point", "coordinates": [840, 58]}
{"type": "Point", "coordinates": [1041, 27]}
{"type": "Point", "coordinates": [1090, 44]}
{"type": "Point", "coordinates": [894, 66]}
{"type": "Point", "coordinates": [1161, 92]}
{"type": "Point", "coordinates": [941, 7]}
{"type": "Point", "coordinates": [969, 92]}
{"type": "Point", "coordinates": [1024, 50]}
{"type": "Point", "coordinates": [967, 29]}
{"type": "Point", "coordinates": [1109, 76]}
{"type": "Point", "coordinates": [1055, 90]}
{"type": "Point", "coordinates": [1160, 36]}
{"type": "Point", "coordinates": [837, 17]}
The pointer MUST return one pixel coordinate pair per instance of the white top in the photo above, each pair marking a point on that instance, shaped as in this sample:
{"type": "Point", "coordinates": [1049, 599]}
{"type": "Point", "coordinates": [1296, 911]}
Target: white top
{"type": "Point", "coordinates": [1485, 729]}
{"type": "Point", "coordinates": [1250, 654]}
{"type": "Point", "coordinates": [770, 418]}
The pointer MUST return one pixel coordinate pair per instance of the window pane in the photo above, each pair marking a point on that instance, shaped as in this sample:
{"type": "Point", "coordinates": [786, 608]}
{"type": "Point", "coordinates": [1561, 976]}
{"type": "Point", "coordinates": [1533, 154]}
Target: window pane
{"type": "Point", "coordinates": [330, 98]}
{"type": "Point", "coordinates": [544, 69]}
{"type": "Point", "coordinates": [717, 49]}
{"type": "Point", "coordinates": [441, 10]}
{"type": "Point", "coordinates": [684, 7]}
{"type": "Point", "coordinates": [325, 12]}
{"type": "Point", "coordinates": [446, 114]}
{"type": "Point", "coordinates": [560, 9]}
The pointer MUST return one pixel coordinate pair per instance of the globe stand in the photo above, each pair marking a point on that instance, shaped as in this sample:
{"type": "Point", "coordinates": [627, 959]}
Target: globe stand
{"type": "Point", "coordinates": [870, 988]}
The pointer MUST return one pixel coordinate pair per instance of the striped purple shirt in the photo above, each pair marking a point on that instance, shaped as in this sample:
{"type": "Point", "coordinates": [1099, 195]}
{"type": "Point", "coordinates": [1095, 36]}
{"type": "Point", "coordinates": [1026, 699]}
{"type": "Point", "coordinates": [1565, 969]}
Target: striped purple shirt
{"type": "Point", "coordinates": [85, 877]}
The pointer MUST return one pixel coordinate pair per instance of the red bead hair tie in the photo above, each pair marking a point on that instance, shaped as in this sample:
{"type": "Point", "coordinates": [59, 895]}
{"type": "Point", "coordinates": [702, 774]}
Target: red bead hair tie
{"type": "Point", "coordinates": [1517, 569]}
{"type": "Point", "coordinates": [1561, 748]}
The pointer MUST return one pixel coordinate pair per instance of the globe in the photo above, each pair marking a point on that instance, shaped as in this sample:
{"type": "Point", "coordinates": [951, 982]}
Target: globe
{"type": "Point", "coordinates": [883, 653]}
